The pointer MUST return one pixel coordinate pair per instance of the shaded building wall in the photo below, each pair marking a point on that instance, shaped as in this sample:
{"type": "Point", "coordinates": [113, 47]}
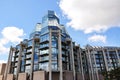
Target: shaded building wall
{"type": "Point", "coordinates": [101, 59]}
{"type": "Point", "coordinates": [2, 70]}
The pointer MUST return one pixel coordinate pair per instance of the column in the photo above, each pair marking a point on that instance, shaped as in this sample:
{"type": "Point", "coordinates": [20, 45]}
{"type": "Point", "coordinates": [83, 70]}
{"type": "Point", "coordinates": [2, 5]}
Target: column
{"type": "Point", "coordinates": [50, 55]}
{"type": "Point", "coordinates": [104, 56]}
{"type": "Point", "coordinates": [19, 61]}
{"type": "Point", "coordinates": [80, 58]}
{"type": "Point", "coordinates": [118, 58]}
{"type": "Point", "coordinates": [32, 60]}
{"type": "Point", "coordinates": [60, 55]}
{"type": "Point", "coordinates": [73, 65]}
{"type": "Point", "coordinates": [97, 76]}
{"type": "Point", "coordinates": [91, 68]}
{"type": "Point", "coordinates": [8, 66]}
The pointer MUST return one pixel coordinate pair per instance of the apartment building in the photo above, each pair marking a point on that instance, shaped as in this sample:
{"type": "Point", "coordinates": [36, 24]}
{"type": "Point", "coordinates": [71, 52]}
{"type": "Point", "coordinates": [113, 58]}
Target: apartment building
{"type": "Point", "coordinates": [51, 54]}
{"type": "Point", "coordinates": [99, 60]}
{"type": "Point", "coordinates": [48, 54]}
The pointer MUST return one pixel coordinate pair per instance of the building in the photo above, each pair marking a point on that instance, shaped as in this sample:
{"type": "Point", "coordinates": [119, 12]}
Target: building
{"type": "Point", "coordinates": [2, 70]}
{"type": "Point", "coordinates": [100, 60]}
{"type": "Point", "coordinates": [50, 54]}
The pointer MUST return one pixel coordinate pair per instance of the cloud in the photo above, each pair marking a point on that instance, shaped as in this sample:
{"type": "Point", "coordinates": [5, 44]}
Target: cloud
{"type": "Point", "coordinates": [97, 38]}
{"type": "Point", "coordinates": [91, 15]}
{"type": "Point", "coordinates": [3, 61]}
{"type": "Point", "coordinates": [10, 35]}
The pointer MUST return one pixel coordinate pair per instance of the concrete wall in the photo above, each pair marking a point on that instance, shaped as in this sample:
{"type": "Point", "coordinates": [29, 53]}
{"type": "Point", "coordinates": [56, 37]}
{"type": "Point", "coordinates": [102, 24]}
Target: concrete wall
{"type": "Point", "coordinates": [79, 76]}
{"type": "Point", "coordinates": [1, 77]}
{"type": "Point", "coordinates": [68, 75]}
{"type": "Point", "coordinates": [2, 68]}
{"type": "Point", "coordinates": [39, 75]}
{"type": "Point", "coordinates": [22, 76]}
{"type": "Point", "coordinates": [9, 77]}
{"type": "Point", "coordinates": [55, 75]}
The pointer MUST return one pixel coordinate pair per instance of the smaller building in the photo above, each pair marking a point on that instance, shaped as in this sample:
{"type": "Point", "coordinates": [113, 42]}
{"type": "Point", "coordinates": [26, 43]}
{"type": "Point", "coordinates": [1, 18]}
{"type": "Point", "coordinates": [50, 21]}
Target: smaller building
{"type": "Point", "coordinates": [2, 70]}
{"type": "Point", "coordinates": [99, 60]}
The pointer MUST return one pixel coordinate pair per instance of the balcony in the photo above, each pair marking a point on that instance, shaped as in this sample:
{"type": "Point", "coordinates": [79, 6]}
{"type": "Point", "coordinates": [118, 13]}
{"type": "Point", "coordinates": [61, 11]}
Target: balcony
{"type": "Point", "coordinates": [44, 42]}
{"type": "Point", "coordinates": [43, 48]}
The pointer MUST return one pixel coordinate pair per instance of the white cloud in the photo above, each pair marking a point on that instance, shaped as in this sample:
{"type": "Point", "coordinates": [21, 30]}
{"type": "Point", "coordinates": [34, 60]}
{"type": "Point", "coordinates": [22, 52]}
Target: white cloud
{"type": "Point", "coordinates": [91, 15]}
{"type": "Point", "coordinates": [10, 35]}
{"type": "Point", "coordinates": [97, 38]}
{"type": "Point", "coordinates": [3, 61]}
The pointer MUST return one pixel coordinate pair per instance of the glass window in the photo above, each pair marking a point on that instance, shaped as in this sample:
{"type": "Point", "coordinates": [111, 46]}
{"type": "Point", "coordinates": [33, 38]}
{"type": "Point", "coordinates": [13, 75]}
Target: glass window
{"type": "Point", "coordinates": [28, 56]}
{"type": "Point", "coordinates": [43, 66]}
{"type": "Point", "coordinates": [22, 68]}
{"type": "Point", "coordinates": [35, 67]}
{"type": "Point", "coordinates": [36, 50]}
{"type": "Point", "coordinates": [28, 61]}
{"type": "Point", "coordinates": [16, 59]}
{"type": "Point", "coordinates": [30, 43]}
{"type": "Point", "coordinates": [27, 68]}
{"type": "Point", "coordinates": [44, 58]}
{"type": "Point", "coordinates": [44, 51]}
{"type": "Point", "coordinates": [54, 50]}
{"type": "Point", "coordinates": [35, 58]}
{"type": "Point", "coordinates": [16, 64]}
{"type": "Point", "coordinates": [54, 65]}
{"type": "Point", "coordinates": [54, 44]}
{"type": "Point", "coordinates": [15, 70]}
{"type": "Point", "coordinates": [53, 22]}
{"type": "Point", "coordinates": [54, 56]}
{"type": "Point", "coordinates": [44, 37]}
{"type": "Point", "coordinates": [44, 45]}
{"type": "Point", "coordinates": [29, 50]}
{"type": "Point", "coordinates": [44, 30]}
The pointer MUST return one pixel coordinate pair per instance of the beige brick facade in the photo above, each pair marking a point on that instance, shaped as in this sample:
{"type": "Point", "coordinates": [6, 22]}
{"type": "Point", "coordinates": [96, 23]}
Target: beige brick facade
{"type": "Point", "coordinates": [1, 77]}
{"type": "Point", "coordinates": [22, 76]}
{"type": "Point", "coordinates": [9, 77]}
{"type": "Point", "coordinates": [2, 68]}
{"type": "Point", "coordinates": [39, 75]}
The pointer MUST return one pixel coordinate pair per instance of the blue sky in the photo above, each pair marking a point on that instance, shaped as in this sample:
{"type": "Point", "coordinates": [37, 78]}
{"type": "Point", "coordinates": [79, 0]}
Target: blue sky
{"type": "Point", "coordinates": [96, 23]}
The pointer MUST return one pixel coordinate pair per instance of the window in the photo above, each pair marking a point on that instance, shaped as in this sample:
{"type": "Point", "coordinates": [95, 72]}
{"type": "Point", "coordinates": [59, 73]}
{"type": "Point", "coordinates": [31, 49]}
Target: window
{"type": "Point", "coordinates": [54, 56]}
{"type": "Point", "coordinates": [54, 50]}
{"type": "Point", "coordinates": [30, 43]}
{"type": "Point", "coordinates": [44, 51]}
{"type": "Point", "coordinates": [35, 67]}
{"type": "Point", "coordinates": [54, 65]}
{"type": "Point", "coordinates": [15, 70]}
{"type": "Point", "coordinates": [27, 68]}
{"type": "Point", "coordinates": [54, 44]}
{"type": "Point", "coordinates": [44, 45]}
{"type": "Point", "coordinates": [44, 58]}
{"type": "Point", "coordinates": [28, 61]}
{"type": "Point", "coordinates": [28, 56]}
{"type": "Point", "coordinates": [43, 66]}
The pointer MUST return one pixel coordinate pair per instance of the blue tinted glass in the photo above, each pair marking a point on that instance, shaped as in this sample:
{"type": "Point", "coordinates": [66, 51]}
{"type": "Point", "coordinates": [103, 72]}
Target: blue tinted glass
{"type": "Point", "coordinates": [54, 50]}
{"type": "Point", "coordinates": [54, 65]}
{"type": "Point", "coordinates": [44, 37]}
{"type": "Point", "coordinates": [54, 44]}
{"type": "Point", "coordinates": [44, 51]}
{"type": "Point", "coordinates": [27, 68]}
{"type": "Point", "coordinates": [35, 58]}
{"type": "Point", "coordinates": [43, 66]}
{"type": "Point", "coordinates": [44, 45]}
{"type": "Point", "coordinates": [44, 30]}
{"type": "Point", "coordinates": [30, 43]}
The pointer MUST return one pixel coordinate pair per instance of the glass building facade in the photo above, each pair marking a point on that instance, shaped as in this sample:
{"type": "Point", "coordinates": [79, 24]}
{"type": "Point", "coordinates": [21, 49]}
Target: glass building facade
{"type": "Point", "coordinates": [50, 54]}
